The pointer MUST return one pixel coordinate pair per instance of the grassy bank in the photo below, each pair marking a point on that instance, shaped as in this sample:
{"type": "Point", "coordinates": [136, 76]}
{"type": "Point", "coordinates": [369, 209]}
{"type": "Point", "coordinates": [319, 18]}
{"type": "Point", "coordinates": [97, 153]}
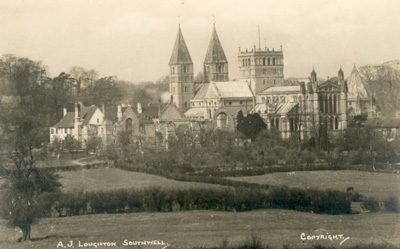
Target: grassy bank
{"type": "Point", "coordinates": [208, 229]}
{"type": "Point", "coordinates": [370, 184]}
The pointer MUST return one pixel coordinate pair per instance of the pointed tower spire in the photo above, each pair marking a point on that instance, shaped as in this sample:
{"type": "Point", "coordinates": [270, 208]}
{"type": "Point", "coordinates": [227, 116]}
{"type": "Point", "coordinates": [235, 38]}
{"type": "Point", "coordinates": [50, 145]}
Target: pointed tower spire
{"type": "Point", "coordinates": [180, 53]}
{"type": "Point", "coordinates": [340, 75]}
{"type": "Point", "coordinates": [215, 63]}
{"type": "Point", "coordinates": [181, 85]}
{"type": "Point", "coordinates": [313, 76]}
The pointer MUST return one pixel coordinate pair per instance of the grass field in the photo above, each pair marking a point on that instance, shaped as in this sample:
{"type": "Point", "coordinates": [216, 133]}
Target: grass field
{"type": "Point", "coordinates": [378, 185]}
{"type": "Point", "coordinates": [210, 228]}
{"type": "Point", "coordinates": [112, 178]}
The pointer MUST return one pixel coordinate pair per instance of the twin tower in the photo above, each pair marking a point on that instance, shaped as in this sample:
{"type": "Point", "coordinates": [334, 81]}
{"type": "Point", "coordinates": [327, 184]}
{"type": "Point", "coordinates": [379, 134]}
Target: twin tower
{"type": "Point", "coordinates": [259, 68]}
{"type": "Point", "coordinates": [181, 82]}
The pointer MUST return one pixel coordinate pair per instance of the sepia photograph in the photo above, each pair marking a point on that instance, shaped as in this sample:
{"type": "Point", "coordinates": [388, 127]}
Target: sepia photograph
{"type": "Point", "coordinates": [187, 124]}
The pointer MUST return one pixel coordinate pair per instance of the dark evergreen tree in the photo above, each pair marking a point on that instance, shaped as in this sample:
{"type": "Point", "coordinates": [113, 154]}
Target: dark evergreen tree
{"type": "Point", "coordinates": [250, 125]}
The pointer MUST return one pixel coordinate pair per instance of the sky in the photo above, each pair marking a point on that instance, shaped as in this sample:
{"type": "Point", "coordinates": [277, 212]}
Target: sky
{"type": "Point", "coordinates": [133, 39]}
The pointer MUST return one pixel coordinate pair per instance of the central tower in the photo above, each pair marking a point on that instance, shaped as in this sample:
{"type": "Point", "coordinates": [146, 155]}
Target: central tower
{"type": "Point", "coordinates": [261, 68]}
{"type": "Point", "coordinates": [181, 86]}
{"type": "Point", "coordinates": [215, 63]}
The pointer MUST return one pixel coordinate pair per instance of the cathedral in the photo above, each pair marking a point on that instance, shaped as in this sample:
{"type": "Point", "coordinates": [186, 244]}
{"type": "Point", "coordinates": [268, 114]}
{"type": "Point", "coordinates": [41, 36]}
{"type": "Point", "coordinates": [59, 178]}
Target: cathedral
{"type": "Point", "coordinates": [260, 89]}
{"type": "Point", "coordinates": [217, 99]}
{"type": "Point", "coordinates": [303, 107]}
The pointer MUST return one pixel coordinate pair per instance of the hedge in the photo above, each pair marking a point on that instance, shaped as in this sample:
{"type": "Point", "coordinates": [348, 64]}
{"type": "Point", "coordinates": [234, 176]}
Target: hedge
{"type": "Point", "coordinates": [228, 199]}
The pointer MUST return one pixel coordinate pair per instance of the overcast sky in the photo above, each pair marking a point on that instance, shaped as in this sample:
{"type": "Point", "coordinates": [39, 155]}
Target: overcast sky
{"type": "Point", "coordinates": [133, 40]}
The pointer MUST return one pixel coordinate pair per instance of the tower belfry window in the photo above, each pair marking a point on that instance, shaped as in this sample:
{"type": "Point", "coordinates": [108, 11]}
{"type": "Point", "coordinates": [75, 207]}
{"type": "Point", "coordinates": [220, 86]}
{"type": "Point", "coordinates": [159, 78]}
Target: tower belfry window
{"type": "Point", "coordinates": [220, 68]}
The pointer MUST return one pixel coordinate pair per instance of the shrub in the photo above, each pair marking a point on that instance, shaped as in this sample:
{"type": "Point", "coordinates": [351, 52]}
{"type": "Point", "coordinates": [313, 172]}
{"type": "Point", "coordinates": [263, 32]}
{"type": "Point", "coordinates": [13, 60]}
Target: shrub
{"type": "Point", "coordinates": [308, 157]}
{"type": "Point", "coordinates": [392, 204]}
{"type": "Point", "coordinates": [372, 205]}
{"type": "Point", "coordinates": [270, 160]}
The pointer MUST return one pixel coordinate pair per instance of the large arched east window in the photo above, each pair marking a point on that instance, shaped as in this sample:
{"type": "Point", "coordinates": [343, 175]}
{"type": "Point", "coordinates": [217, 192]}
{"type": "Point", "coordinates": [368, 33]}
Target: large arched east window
{"type": "Point", "coordinates": [128, 124]}
{"type": "Point", "coordinates": [221, 120]}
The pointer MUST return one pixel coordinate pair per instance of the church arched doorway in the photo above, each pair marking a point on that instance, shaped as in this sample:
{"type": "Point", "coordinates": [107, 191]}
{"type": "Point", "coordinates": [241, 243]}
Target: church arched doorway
{"type": "Point", "coordinates": [221, 120]}
{"type": "Point", "coordinates": [128, 124]}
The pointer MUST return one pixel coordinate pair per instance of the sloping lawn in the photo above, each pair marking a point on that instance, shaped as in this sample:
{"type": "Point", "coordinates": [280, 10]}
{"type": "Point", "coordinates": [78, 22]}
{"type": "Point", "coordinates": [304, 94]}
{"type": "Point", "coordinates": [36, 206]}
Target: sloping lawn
{"type": "Point", "coordinates": [374, 184]}
{"type": "Point", "coordinates": [209, 228]}
{"type": "Point", "coordinates": [112, 179]}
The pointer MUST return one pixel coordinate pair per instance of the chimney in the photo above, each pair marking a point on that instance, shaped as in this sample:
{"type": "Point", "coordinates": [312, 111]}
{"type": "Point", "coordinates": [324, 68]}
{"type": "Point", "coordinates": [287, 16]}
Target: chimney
{"type": "Point", "coordinates": [119, 114]}
{"type": "Point", "coordinates": [139, 107]}
{"type": "Point", "coordinates": [159, 108]}
{"type": "Point", "coordinates": [64, 111]}
{"type": "Point", "coordinates": [77, 111]}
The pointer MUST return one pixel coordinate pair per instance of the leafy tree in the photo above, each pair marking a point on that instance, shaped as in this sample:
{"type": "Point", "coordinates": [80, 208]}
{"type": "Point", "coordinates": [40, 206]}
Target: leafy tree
{"type": "Point", "coordinates": [140, 95]}
{"type": "Point", "coordinates": [366, 140]}
{"type": "Point", "coordinates": [93, 144]}
{"type": "Point", "coordinates": [251, 125]}
{"type": "Point", "coordinates": [71, 145]}
{"type": "Point", "coordinates": [23, 200]}
{"type": "Point", "coordinates": [82, 78]}
{"type": "Point", "coordinates": [104, 91]}
{"type": "Point", "coordinates": [323, 138]}
{"type": "Point", "coordinates": [58, 91]}
{"type": "Point", "coordinates": [23, 79]}
{"type": "Point", "coordinates": [384, 82]}
{"type": "Point", "coordinates": [20, 75]}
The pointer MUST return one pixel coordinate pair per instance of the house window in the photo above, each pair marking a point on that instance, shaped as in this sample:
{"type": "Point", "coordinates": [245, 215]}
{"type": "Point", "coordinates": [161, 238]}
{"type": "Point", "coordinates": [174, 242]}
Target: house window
{"type": "Point", "coordinates": [230, 102]}
{"type": "Point", "coordinates": [65, 130]}
{"type": "Point", "coordinates": [98, 120]}
{"type": "Point", "coordinates": [51, 131]}
{"type": "Point", "coordinates": [57, 131]}
{"type": "Point", "coordinates": [241, 102]}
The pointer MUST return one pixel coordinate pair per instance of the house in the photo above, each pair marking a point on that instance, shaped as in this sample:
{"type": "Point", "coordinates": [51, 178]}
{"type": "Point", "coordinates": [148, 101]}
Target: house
{"type": "Point", "coordinates": [81, 124]}
{"type": "Point", "coordinates": [389, 127]}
